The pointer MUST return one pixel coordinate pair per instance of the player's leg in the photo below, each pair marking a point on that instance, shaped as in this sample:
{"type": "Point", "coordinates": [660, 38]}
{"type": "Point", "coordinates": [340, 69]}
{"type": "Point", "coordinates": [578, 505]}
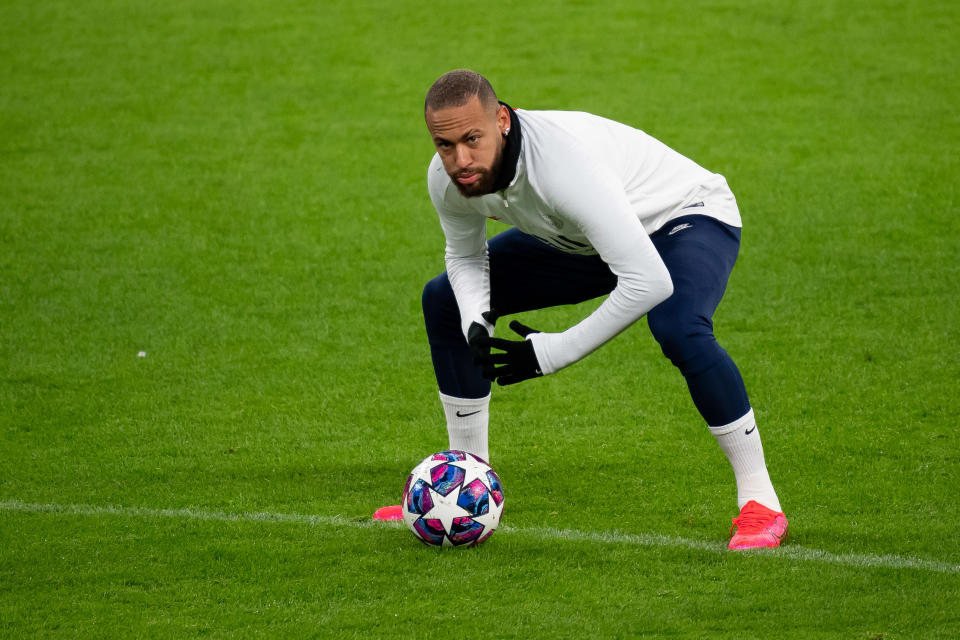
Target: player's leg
{"type": "Point", "coordinates": [525, 274]}
{"type": "Point", "coordinates": [700, 257]}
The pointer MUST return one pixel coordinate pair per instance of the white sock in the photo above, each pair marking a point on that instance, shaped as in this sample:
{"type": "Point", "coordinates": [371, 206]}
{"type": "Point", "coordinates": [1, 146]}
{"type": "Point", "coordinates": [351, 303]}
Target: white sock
{"type": "Point", "coordinates": [467, 422]}
{"type": "Point", "coordinates": [740, 440]}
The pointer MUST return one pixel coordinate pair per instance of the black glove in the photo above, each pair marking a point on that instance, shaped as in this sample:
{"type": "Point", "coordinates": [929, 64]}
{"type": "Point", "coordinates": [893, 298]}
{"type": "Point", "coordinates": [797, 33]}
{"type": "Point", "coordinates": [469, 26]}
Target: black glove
{"type": "Point", "coordinates": [476, 339]}
{"type": "Point", "coordinates": [518, 361]}
{"type": "Point", "coordinates": [475, 333]}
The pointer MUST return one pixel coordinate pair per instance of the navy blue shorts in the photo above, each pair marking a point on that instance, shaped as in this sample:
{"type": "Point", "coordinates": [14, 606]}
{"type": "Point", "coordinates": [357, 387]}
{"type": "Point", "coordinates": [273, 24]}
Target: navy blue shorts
{"type": "Point", "coordinates": [528, 274]}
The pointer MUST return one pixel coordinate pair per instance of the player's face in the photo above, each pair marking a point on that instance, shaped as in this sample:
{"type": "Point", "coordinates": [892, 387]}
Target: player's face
{"type": "Point", "coordinates": [470, 142]}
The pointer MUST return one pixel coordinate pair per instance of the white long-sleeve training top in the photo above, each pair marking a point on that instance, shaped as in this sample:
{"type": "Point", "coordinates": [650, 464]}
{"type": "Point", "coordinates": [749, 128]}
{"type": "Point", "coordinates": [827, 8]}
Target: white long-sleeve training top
{"type": "Point", "coordinates": [589, 185]}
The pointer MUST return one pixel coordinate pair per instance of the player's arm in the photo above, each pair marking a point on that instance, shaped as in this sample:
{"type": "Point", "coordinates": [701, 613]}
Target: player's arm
{"type": "Point", "coordinates": [468, 268]}
{"type": "Point", "coordinates": [466, 258]}
{"type": "Point", "coordinates": [598, 205]}
{"type": "Point", "coordinates": [593, 199]}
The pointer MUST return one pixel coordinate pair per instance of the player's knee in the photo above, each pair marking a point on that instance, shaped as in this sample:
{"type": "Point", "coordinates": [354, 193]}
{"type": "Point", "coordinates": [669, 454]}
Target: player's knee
{"type": "Point", "coordinates": [437, 295]}
{"type": "Point", "coordinates": [439, 304]}
{"type": "Point", "coordinates": [688, 344]}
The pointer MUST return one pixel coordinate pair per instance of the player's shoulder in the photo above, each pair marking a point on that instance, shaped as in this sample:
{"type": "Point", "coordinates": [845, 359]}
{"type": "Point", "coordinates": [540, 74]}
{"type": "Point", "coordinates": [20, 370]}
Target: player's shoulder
{"type": "Point", "coordinates": [563, 136]}
{"type": "Point", "coordinates": [438, 182]}
{"type": "Point", "coordinates": [547, 126]}
{"type": "Point", "coordinates": [565, 125]}
{"type": "Point", "coordinates": [443, 193]}
{"type": "Point", "coordinates": [436, 176]}
{"type": "Point", "coordinates": [562, 147]}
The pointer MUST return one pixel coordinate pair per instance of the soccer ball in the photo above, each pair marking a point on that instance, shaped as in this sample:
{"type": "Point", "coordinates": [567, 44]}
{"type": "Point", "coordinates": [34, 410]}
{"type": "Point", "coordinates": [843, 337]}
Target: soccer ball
{"type": "Point", "coordinates": [452, 499]}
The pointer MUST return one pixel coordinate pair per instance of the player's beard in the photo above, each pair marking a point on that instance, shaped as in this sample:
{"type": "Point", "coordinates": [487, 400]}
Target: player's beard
{"type": "Point", "coordinates": [483, 186]}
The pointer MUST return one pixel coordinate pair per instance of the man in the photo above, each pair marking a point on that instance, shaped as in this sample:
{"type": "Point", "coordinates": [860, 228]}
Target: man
{"type": "Point", "coordinates": [597, 208]}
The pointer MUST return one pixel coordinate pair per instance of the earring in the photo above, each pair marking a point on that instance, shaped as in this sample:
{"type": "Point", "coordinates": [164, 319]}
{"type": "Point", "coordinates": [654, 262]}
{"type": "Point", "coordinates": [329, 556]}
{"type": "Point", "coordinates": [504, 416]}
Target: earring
{"type": "Point", "coordinates": [506, 131]}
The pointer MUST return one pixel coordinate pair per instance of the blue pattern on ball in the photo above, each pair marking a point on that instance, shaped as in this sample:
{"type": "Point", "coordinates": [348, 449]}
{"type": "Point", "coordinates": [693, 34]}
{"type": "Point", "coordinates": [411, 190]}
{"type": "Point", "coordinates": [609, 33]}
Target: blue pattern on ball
{"type": "Point", "coordinates": [446, 477]}
{"type": "Point", "coordinates": [465, 531]}
{"type": "Point", "coordinates": [419, 500]}
{"type": "Point", "coordinates": [474, 498]}
{"type": "Point", "coordinates": [450, 456]}
{"type": "Point", "coordinates": [495, 489]}
{"type": "Point", "coordinates": [429, 531]}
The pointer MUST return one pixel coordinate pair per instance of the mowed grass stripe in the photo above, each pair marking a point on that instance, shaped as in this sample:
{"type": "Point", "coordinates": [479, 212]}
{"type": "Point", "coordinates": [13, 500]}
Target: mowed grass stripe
{"type": "Point", "coordinates": [793, 552]}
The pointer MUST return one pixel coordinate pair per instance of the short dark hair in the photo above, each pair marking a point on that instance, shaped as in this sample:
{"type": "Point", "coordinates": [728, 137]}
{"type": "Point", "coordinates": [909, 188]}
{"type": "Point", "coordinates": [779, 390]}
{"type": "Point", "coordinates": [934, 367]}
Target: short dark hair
{"type": "Point", "coordinates": [456, 88]}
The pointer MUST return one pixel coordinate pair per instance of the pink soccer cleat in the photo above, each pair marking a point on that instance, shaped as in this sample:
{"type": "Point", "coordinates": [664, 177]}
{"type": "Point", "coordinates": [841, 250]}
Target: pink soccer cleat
{"type": "Point", "coordinates": [393, 512]}
{"type": "Point", "coordinates": [758, 527]}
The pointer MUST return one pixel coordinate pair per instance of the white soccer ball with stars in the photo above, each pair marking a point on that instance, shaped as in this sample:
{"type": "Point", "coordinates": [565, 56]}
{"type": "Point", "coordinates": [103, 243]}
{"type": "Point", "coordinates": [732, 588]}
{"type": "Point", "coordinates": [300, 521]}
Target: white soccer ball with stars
{"type": "Point", "coordinates": [452, 499]}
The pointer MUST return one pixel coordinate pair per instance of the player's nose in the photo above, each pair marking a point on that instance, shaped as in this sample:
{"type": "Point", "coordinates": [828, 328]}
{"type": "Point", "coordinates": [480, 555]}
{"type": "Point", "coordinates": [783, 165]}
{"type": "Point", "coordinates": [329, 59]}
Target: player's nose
{"type": "Point", "coordinates": [464, 157]}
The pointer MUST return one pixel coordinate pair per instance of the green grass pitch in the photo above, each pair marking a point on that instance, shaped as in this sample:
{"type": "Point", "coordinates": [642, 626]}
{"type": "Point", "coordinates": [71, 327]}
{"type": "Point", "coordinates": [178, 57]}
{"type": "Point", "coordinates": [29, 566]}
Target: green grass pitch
{"type": "Point", "coordinates": [237, 190]}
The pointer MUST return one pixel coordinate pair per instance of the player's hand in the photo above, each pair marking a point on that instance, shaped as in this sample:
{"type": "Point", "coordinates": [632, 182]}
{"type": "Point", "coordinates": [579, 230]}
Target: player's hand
{"type": "Point", "coordinates": [475, 332]}
{"type": "Point", "coordinates": [476, 338]}
{"type": "Point", "coordinates": [517, 360]}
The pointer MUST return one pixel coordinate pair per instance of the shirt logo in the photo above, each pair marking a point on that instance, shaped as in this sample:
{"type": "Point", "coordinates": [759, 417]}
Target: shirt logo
{"type": "Point", "coordinates": [680, 227]}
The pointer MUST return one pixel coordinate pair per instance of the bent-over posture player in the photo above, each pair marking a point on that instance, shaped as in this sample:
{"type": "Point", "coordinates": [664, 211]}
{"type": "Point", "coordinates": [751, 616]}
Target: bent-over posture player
{"type": "Point", "coordinates": [597, 208]}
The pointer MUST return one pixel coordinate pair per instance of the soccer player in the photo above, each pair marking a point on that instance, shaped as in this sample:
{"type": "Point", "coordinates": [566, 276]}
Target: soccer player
{"type": "Point", "coordinates": [597, 208]}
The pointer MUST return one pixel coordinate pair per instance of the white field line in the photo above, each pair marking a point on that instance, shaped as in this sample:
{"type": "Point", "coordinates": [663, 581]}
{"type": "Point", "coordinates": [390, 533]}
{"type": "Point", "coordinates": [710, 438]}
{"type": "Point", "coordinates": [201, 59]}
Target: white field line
{"type": "Point", "coordinates": [790, 551]}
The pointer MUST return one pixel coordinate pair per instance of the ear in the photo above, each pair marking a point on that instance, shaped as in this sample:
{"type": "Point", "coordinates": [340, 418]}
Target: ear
{"type": "Point", "coordinates": [503, 119]}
